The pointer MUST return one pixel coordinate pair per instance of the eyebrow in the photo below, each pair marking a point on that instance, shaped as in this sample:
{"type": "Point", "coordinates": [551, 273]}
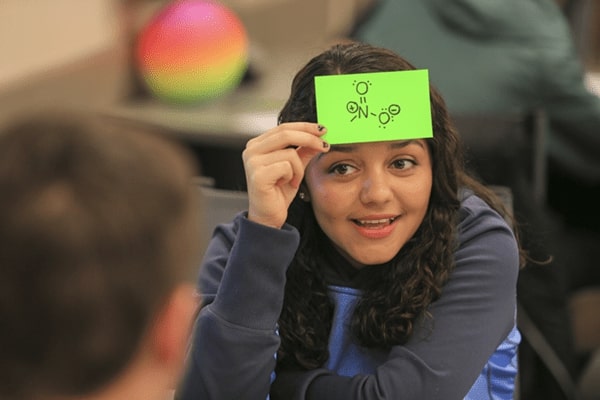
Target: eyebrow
{"type": "Point", "coordinates": [347, 148]}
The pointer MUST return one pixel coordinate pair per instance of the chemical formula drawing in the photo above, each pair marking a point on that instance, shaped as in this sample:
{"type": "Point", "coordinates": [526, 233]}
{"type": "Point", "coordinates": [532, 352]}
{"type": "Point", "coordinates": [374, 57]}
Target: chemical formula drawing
{"type": "Point", "coordinates": [360, 109]}
{"type": "Point", "coordinates": [374, 106]}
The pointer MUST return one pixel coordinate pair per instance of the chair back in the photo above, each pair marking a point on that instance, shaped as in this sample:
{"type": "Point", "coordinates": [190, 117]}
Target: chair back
{"type": "Point", "coordinates": [219, 206]}
{"type": "Point", "coordinates": [507, 149]}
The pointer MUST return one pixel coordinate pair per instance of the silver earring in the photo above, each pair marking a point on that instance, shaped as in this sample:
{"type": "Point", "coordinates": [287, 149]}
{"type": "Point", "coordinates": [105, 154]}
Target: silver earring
{"type": "Point", "coordinates": [302, 195]}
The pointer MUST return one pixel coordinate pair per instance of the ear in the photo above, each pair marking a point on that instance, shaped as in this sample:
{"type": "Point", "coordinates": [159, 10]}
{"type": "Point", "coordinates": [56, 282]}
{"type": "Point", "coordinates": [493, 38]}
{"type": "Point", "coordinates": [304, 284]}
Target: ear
{"type": "Point", "coordinates": [172, 327]}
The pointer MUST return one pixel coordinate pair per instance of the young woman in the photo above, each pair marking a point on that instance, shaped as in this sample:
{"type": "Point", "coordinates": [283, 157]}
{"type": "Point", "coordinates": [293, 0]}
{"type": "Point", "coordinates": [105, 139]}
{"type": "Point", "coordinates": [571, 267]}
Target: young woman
{"type": "Point", "coordinates": [363, 271]}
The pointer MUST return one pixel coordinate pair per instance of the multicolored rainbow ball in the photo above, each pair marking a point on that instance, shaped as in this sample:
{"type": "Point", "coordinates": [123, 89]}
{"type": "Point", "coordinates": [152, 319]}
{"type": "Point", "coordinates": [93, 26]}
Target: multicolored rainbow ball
{"type": "Point", "coordinates": [192, 51]}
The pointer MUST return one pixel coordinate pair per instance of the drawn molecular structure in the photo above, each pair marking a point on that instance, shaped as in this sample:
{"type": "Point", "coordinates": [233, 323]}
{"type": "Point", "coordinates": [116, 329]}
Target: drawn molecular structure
{"type": "Point", "coordinates": [360, 109]}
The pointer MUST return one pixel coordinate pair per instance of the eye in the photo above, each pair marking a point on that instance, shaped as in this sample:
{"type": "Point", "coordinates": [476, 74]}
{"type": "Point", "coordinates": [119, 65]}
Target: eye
{"type": "Point", "coordinates": [341, 169]}
{"type": "Point", "coordinates": [403, 163]}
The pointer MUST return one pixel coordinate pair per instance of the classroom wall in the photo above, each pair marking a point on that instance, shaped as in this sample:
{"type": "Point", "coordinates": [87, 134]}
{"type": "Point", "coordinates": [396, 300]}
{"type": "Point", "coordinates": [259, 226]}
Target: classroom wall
{"type": "Point", "coordinates": [41, 35]}
{"type": "Point", "coordinates": [38, 35]}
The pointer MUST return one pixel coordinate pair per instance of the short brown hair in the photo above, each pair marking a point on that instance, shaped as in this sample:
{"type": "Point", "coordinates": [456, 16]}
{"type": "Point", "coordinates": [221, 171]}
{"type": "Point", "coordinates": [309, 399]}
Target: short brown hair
{"type": "Point", "coordinates": [97, 225]}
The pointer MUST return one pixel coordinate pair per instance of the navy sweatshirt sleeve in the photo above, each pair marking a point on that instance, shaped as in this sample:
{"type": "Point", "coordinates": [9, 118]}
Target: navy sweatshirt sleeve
{"type": "Point", "coordinates": [241, 284]}
{"type": "Point", "coordinates": [474, 314]}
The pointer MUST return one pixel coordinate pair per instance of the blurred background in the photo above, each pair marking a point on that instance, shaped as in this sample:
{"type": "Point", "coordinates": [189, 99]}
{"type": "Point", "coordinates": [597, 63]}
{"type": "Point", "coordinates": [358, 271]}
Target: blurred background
{"type": "Point", "coordinates": [74, 54]}
{"type": "Point", "coordinates": [81, 55]}
{"type": "Point", "coordinates": [84, 47]}
{"type": "Point", "coordinates": [68, 53]}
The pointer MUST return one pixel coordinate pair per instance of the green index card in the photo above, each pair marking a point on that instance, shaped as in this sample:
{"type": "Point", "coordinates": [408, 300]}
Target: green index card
{"type": "Point", "coordinates": [374, 106]}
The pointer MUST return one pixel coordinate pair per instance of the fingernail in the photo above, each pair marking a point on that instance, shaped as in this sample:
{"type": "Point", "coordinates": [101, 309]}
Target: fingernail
{"type": "Point", "coordinates": [320, 127]}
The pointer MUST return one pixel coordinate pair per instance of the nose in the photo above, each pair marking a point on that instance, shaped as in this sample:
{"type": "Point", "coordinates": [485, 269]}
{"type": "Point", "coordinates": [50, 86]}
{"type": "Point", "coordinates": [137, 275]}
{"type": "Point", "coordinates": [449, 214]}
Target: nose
{"type": "Point", "coordinates": [376, 188]}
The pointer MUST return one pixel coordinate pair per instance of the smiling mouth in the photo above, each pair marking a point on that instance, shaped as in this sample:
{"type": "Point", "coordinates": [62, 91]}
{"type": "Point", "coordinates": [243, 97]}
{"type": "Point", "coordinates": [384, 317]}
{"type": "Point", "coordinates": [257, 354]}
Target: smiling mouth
{"type": "Point", "coordinates": [374, 223]}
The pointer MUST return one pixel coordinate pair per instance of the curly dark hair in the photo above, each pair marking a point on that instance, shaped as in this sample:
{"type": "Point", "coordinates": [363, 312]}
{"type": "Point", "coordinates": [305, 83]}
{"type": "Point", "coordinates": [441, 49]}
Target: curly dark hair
{"type": "Point", "coordinates": [394, 297]}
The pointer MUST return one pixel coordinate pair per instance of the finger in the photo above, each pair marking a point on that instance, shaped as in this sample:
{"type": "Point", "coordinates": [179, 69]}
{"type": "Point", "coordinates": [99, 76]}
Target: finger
{"type": "Point", "coordinates": [292, 173]}
{"type": "Point", "coordinates": [295, 134]}
{"type": "Point", "coordinates": [307, 127]}
{"type": "Point", "coordinates": [275, 174]}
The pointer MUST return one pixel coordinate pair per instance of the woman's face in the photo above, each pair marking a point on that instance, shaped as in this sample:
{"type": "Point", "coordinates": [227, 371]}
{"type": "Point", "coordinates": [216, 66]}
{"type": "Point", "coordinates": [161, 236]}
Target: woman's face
{"type": "Point", "coordinates": [370, 198]}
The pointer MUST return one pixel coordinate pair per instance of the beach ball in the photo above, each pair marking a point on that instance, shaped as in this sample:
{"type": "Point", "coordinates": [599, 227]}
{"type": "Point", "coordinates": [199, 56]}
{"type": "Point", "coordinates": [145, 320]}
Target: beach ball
{"type": "Point", "coordinates": [192, 51]}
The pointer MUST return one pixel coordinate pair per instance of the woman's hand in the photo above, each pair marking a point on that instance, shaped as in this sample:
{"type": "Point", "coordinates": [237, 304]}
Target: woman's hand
{"type": "Point", "coordinates": [274, 163]}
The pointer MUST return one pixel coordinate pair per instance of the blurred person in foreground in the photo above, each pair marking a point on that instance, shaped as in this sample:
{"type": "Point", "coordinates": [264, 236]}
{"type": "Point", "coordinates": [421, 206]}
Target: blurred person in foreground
{"type": "Point", "coordinates": [98, 226]}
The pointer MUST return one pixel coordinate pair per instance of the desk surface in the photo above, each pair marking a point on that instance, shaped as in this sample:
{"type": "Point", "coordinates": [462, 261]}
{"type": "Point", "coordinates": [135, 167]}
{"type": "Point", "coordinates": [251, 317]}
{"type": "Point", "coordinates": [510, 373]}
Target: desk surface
{"type": "Point", "coordinates": [230, 121]}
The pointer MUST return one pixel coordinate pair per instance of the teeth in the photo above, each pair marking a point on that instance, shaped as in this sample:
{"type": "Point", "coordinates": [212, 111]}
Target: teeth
{"type": "Point", "coordinates": [377, 221]}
